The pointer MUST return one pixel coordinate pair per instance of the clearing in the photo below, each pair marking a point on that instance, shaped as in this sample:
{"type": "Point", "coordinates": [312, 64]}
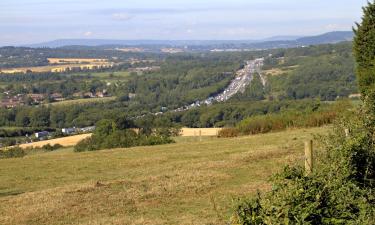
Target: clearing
{"type": "Point", "coordinates": [189, 182]}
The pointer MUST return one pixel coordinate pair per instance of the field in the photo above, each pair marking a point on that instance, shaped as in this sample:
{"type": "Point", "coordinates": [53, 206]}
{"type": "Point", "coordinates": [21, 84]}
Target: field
{"type": "Point", "coordinates": [82, 101]}
{"type": "Point", "coordinates": [280, 71]}
{"type": "Point", "coordinates": [73, 140]}
{"type": "Point", "coordinates": [66, 141]}
{"type": "Point", "coordinates": [74, 60]}
{"type": "Point", "coordinates": [189, 182]}
{"type": "Point", "coordinates": [191, 132]}
{"type": "Point", "coordinates": [61, 65]}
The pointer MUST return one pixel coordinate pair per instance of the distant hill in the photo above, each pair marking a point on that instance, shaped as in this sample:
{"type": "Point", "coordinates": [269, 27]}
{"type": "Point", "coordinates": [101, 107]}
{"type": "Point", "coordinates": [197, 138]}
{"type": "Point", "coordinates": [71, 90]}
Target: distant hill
{"type": "Point", "coordinates": [273, 42]}
{"type": "Point", "coordinates": [331, 37]}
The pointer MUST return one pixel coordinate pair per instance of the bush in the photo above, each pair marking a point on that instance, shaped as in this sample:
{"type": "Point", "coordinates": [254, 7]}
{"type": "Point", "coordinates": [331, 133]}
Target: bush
{"type": "Point", "coordinates": [108, 136]}
{"type": "Point", "coordinates": [49, 147]}
{"type": "Point", "coordinates": [228, 133]}
{"type": "Point", "coordinates": [15, 152]}
{"type": "Point", "coordinates": [340, 191]}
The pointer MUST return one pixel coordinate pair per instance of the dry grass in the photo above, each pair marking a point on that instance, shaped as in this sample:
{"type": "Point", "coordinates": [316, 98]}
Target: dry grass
{"type": "Point", "coordinates": [65, 64]}
{"type": "Point", "coordinates": [74, 60]}
{"type": "Point", "coordinates": [82, 101]}
{"type": "Point", "coordinates": [183, 183]}
{"type": "Point", "coordinates": [65, 141]}
{"type": "Point", "coordinates": [280, 71]}
{"type": "Point", "coordinates": [192, 132]}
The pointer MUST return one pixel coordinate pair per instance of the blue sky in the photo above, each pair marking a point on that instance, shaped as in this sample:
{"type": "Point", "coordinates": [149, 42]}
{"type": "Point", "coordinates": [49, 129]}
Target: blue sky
{"type": "Point", "coordinates": [33, 21]}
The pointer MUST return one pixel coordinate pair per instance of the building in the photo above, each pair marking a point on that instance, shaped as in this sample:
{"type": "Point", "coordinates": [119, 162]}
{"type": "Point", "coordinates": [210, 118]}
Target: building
{"type": "Point", "coordinates": [41, 134]}
{"type": "Point", "coordinates": [57, 97]}
{"type": "Point", "coordinates": [37, 97]}
{"type": "Point", "coordinates": [86, 129]}
{"type": "Point", "coordinates": [69, 131]}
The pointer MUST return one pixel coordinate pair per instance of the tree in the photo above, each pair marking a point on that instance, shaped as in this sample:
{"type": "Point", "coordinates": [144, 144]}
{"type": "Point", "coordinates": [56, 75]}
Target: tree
{"type": "Point", "coordinates": [364, 51]}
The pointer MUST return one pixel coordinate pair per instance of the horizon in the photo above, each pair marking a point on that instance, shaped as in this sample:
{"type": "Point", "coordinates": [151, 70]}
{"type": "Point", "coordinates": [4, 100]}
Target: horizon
{"type": "Point", "coordinates": [212, 20]}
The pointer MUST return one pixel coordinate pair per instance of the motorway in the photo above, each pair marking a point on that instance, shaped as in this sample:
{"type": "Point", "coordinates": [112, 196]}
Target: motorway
{"type": "Point", "coordinates": [237, 85]}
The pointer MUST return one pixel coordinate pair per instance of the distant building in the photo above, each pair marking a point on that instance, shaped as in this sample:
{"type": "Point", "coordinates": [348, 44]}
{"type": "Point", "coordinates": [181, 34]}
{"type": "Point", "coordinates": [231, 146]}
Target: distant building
{"type": "Point", "coordinates": [57, 97]}
{"type": "Point", "coordinates": [355, 96]}
{"type": "Point", "coordinates": [41, 134]}
{"type": "Point", "coordinates": [86, 129]}
{"type": "Point", "coordinates": [37, 97]}
{"type": "Point", "coordinates": [69, 131]}
{"type": "Point", "coordinates": [88, 95]}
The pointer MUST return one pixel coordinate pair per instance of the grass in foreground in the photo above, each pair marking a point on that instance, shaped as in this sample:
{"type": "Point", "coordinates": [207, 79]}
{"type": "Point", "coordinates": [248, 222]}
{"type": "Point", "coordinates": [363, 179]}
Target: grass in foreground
{"type": "Point", "coordinates": [189, 182]}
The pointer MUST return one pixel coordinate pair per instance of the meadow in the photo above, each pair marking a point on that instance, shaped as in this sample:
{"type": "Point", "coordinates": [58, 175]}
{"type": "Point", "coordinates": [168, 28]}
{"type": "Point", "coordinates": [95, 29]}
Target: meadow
{"type": "Point", "coordinates": [189, 182]}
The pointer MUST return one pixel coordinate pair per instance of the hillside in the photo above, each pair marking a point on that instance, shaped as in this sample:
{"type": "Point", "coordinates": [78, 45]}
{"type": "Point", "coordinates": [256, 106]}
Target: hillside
{"type": "Point", "coordinates": [189, 182]}
{"type": "Point", "coordinates": [272, 42]}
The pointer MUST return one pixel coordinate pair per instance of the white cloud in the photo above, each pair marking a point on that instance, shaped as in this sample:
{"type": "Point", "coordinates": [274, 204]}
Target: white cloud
{"type": "Point", "coordinates": [333, 26]}
{"type": "Point", "coordinates": [122, 16]}
{"type": "Point", "coordinates": [88, 33]}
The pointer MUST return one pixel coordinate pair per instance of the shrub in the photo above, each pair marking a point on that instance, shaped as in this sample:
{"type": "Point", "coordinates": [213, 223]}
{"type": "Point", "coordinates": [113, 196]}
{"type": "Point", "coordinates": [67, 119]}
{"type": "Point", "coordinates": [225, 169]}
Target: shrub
{"type": "Point", "coordinates": [340, 191]}
{"type": "Point", "coordinates": [49, 147]}
{"type": "Point", "coordinates": [108, 136]}
{"type": "Point", "coordinates": [15, 152]}
{"type": "Point", "coordinates": [228, 133]}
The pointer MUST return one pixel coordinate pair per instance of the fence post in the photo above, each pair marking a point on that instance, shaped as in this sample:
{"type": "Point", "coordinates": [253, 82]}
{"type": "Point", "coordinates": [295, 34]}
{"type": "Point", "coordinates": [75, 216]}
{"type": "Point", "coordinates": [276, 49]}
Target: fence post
{"type": "Point", "coordinates": [200, 135]}
{"type": "Point", "coordinates": [347, 132]}
{"type": "Point", "coordinates": [309, 157]}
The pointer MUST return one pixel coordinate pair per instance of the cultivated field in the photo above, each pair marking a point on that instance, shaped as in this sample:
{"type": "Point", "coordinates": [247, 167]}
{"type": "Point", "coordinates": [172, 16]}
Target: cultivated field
{"type": "Point", "coordinates": [65, 141]}
{"type": "Point", "coordinates": [73, 140]}
{"type": "Point", "coordinates": [74, 60]}
{"type": "Point", "coordinates": [82, 101]}
{"type": "Point", "coordinates": [192, 132]}
{"type": "Point", "coordinates": [183, 183]}
{"type": "Point", "coordinates": [61, 65]}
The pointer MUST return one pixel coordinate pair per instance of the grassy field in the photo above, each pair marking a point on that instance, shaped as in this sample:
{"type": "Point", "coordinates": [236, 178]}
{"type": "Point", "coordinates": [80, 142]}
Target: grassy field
{"type": "Point", "coordinates": [82, 101]}
{"type": "Point", "coordinates": [65, 141]}
{"type": "Point", "coordinates": [189, 182]}
{"type": "Point", "coordinates": [106, 76]}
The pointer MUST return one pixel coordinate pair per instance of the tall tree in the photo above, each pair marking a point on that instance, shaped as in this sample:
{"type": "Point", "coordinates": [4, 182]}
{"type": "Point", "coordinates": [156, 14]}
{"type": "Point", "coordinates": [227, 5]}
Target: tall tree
{"type": "Point", "coordinates": [364, 51]}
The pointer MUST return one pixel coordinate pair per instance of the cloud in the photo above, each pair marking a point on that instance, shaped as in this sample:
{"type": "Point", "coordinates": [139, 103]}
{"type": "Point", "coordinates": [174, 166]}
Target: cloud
{"type": "Point", "coordinates": [337, 27]}
{"type": "Point", "coordinates": [88, 33]}
{"type": "Point", "coordinates": [122, 16]}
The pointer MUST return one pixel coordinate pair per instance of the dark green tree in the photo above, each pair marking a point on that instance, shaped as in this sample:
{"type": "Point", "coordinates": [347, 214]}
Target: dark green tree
{"type": "Point", "coordinates": [364, 51]}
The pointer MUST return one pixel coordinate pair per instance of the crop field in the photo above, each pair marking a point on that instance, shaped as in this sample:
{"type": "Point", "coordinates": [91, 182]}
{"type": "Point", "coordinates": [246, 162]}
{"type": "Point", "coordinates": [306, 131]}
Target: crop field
{"type": "Point", "coordinates": [74, 60]}
{"type": "Point", "coordinates": [280, 71]}
{"type": "Point", "coordinates": [65, 141]}
{"type": "Point", "coordinates": [82, 101]}
{"type": "Point", "coordinates": [192, 132]}
{"type": "Point", "coordinates": [107, 76]}
{"type": "Point", "coordinates": [61, 65]}
{"type": "Point", "coordinates": [190, 182]}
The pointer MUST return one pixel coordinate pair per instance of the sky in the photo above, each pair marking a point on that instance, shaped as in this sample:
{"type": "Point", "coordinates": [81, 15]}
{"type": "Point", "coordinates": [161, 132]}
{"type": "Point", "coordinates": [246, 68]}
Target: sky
{"type": "Point", "coordinates": [35, 21]}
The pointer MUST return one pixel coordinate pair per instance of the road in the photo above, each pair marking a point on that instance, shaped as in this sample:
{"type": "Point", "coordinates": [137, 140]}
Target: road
{"type": "Point", "coordinates": [238, 84]}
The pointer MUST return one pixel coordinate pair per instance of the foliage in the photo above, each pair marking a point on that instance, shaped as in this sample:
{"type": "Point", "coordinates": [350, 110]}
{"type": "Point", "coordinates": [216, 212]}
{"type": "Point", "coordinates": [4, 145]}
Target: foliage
{"type": "Point", "coordinates": [364, 45]}
{"type": "Point", "coordinates": [107, 135]}
{"type": "Point", "coordinates": [340, 191]}
{"type": "Point", "coordinates": [15, 152]}
{"type": "Point", "coordinates": [289, 119]}
{"type": "Point", "coordinates": [228, 133]}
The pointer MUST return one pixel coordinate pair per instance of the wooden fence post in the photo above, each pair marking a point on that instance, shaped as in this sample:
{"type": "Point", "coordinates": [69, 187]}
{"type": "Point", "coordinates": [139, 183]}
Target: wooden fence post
{"type": "Point", "coordinates": [347, 132]}
{"type": "Point", "coordinates": [200, 135]}
{"type": "Point", "coordinates": [309, 157]}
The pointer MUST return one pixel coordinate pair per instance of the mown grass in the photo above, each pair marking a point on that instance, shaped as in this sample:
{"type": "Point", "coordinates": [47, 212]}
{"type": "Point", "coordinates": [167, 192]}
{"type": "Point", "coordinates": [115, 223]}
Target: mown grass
{"type": "Point", "coordinates": [82, 101]}
{"type": "Point", "coordinates": [190, 182]}
{"type": "Point", "coordinates": [106, 76]}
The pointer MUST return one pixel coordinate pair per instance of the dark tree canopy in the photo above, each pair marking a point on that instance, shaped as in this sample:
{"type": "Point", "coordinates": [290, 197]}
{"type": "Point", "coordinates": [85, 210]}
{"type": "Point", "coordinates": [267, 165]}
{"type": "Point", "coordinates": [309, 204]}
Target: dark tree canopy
{"type": "Point", "coordinates": [364, 51]}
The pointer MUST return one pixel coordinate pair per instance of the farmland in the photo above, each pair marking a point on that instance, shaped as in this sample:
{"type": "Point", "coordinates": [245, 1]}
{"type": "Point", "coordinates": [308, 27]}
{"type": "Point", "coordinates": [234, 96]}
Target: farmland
{"type": "Point", "coordinates": [61, 65]}
{"type": "Point", "coordinates": [189, 182]}
{"type": "Point", "coordinates": [82, 101]}
{"type": "Point", "coordinates": [65, 141]}
{"type": "Point", "coordinates": [73, 140]}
